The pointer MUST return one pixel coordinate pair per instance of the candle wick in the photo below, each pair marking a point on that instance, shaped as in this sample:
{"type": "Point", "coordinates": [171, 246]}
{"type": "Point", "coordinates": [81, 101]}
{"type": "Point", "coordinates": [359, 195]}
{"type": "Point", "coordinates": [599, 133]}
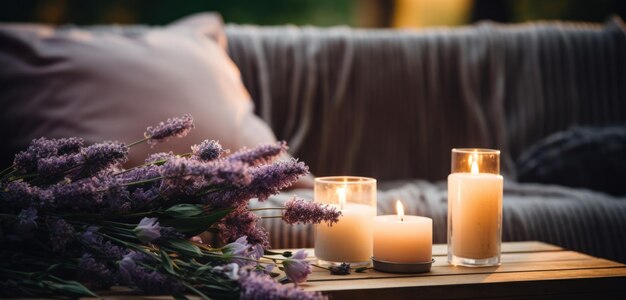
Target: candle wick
{"type": "Point", "coordinates": [401, 219]}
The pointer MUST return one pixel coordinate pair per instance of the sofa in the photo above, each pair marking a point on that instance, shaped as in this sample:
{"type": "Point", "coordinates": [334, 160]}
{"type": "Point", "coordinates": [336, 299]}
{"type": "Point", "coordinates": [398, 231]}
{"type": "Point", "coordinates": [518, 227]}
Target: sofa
{"type": "Point", "coordinates": [391, 104]}
{"type": "Point", "coordinates": [388, 104]}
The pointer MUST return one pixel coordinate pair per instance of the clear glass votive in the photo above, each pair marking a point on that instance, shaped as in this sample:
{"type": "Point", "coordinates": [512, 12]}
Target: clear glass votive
{"type": "Point", "coordinates": [351, 239]}
{"type": "Point", "coordinates": [475, 189]}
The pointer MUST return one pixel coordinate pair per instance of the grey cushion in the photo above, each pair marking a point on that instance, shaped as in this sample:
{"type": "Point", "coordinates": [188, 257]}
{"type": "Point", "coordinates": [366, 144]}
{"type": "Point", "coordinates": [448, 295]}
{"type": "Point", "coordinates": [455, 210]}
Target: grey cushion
{"type": "Point", "coordinates": [109, 83]}
{"type": "Point", "coordinates": [587, 157]}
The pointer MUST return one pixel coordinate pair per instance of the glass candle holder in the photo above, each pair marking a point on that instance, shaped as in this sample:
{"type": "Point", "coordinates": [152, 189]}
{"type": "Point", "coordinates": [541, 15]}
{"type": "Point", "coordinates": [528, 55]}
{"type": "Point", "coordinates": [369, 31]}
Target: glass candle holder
{"type": "Point", "coordinates": [475, 208]}
{"type": "Point", "coordinates": [351, 239]}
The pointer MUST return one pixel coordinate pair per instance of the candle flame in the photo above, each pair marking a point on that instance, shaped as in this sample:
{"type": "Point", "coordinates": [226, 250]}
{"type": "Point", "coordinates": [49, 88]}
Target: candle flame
{"type": "Point", "coordinates": [341, 193]}
{"type": "Point", "coordinates": [473, 160]}
{"type": "Point", "coordinates": [400, 210]}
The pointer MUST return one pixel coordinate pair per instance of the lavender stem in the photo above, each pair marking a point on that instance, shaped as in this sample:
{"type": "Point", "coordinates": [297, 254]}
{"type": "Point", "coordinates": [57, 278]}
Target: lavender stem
{"type": "Point", "coordinates": [138, 142]}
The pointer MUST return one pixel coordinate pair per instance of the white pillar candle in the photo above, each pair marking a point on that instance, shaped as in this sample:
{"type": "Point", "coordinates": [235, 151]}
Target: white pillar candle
{"type": "Point", "coordinates": [349, 240]}
{"type": "Point", "coordinates": [403, 239]}
{"type": "Point", "coordinates": [475, 211]}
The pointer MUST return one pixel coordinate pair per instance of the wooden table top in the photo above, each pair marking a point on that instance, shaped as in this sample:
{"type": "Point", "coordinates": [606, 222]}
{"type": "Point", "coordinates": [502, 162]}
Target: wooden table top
{"type": "Point", "coordinates": [529, 270]}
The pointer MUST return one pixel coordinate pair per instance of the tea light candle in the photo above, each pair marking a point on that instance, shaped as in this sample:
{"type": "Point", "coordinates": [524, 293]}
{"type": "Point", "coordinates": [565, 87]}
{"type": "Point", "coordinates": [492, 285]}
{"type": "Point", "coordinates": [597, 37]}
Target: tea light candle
{"type": "Point", "coordinates": [403, 239]}
{"type": "Point", "coordinates": [349, 240]}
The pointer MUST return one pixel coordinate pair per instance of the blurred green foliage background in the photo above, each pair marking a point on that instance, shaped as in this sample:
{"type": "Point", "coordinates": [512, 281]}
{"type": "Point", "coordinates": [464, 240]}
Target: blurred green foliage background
{"type": "Point", "coordinates": [357, 13]}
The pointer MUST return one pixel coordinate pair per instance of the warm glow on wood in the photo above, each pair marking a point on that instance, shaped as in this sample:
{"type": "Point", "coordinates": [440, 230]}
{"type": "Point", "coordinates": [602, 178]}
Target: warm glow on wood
{"type": "Point", "coordinates": [400, 210]}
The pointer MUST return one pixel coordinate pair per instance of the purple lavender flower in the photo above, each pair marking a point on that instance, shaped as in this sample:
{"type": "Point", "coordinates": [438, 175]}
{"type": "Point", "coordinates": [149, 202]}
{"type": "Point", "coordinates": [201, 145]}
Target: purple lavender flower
{"type": "Point", "coordinates": [61, 233]}
{"type": "Point", "coordinates": [20, 194]}
{"type": "Point", "coordinates": [94, 274]}
{"type": "Point", "coordinates": [144, 198]}
{"type": "Point", "coordinates": [270, 179]}
{"type": "Point", "coordinates": [342, 269]}
{"type": "Point", "coordinates": [207, 150]}
{"type": "Point", "coordinates": [189, 176]}
{"type": "Point", "coordinates": [171, 233]}
{"type": "Point", "coordinates": [69, 145]}
{"type": "Point", "coordinates": [148, 230]}
{"type": "Point", "coordinates": [237, 223]}
{"type": "Point", "coordinates": [259, 286]}
{"type": "Point", "coordinates": [308, 212]}
{"type": "Point", "coordinates": [178, 127]}
{"type": "Point", "coordinates": [26, 161]}
{"type": "Point", "coordinates": [93, 241]}
{"type": "Point", "coordinates": [259, 236]}
{"type": "Point", "coordinates": [100, 156]}
{"type": "Point", "coordinates": [115, 196]}
{"type": "Point", "coordinates": [140, 174]}
{"type": "Point", "coordinates": [259, 155]}
{"type": "Point", "coordinates": [266, 180]}
{"type": "Point", "coordinates": [297, 268]}
{"type": "Point", "coordinates": [85, 194]}
{"type": "Point", "coordinates": [55, 166]}
{"type": "Point", "coordinates": [150, 282]}
{"type": "Point", "coordinates": [26, 222]}
{"type": "Point", "coordinates": [159, 156]}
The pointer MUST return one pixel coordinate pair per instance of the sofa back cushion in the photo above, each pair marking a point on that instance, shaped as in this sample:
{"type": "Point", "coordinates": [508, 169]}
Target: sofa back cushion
{"type": "Point", "coordinates": [392, 103]}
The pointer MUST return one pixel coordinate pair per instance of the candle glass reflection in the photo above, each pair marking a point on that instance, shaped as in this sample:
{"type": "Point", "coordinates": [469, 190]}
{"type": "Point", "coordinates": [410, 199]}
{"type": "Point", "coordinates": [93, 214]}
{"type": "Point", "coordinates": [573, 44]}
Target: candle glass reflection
{"type": "Point", "coordinates": [351, 239]}
{"type": "Point", "coordinates": [475, 208]}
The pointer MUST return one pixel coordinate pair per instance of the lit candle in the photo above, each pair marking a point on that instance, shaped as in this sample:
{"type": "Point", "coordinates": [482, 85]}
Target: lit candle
{"type": "Point", "coordinates": [349, 240]}
{"type": "Point", "coordinates": [403, 239]}
{"type": "Point", "coordinates": [474, 208]}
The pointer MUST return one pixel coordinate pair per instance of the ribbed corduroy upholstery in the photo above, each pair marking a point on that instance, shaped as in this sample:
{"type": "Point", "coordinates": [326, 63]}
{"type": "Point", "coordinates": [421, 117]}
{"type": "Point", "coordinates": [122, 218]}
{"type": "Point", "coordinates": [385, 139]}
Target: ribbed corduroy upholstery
{"type": "Point", "coordinates": [391, 104]}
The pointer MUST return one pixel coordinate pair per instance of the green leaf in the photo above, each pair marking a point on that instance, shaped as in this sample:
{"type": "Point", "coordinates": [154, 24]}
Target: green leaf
{"type": "Point", "coordinates": [183, 211]}
{"type": "Point", "coordinates": [200, 270]}
{"type": "Point", "coordinates": [195, 225]}
{"type": "Point", "coordinates": [166, 262]}
{"type": "Point", "coordinates": [70, 287]}
{"type": "Point", "coordinates": [183, 247]}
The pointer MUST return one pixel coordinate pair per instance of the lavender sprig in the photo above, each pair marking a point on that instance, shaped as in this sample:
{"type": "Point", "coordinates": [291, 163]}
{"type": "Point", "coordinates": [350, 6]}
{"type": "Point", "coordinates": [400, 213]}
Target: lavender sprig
{"type": "Point", "coordinates": [93, 273]}
{"type": "Point", "coordinates": [266, 180]}
{"type": "Point", "coordinates": [21, 194]}
{"type": "Point", "coordinates": [241, 222]}
{"type": "Point", "coordinates": [207, 150]}
{"type": "Point", "coordinates": [61, 234]}
{"type": "Point", "coordinates": [100, 156]}
{"type": "Point", "coordinates": [300, 211]}
{"type": "Point", "coordinates": [189, 176]}
{"type": "Point", "coordinates": [27, 161]}
{"type": "Point", "coordinates": [173, 127]}
{"type": "Point", "coordinates": [255, 285]}
{"type": "Point", "coordinates": [103, 223]}
{"type": "Point", "coordinates": [259, 155]}
{"type": "Point", "coordinates": [150, 282]}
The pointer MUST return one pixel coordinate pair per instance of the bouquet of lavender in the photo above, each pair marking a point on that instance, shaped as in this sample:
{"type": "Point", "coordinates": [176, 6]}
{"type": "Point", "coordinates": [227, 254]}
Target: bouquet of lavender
{"type": "Point", "coordinates": [74, 222]}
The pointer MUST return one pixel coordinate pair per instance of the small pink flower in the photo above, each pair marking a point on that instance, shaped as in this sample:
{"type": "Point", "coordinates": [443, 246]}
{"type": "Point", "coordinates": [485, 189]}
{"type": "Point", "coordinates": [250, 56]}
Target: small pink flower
{"type": "Point", "coordinates": [297, 268]}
